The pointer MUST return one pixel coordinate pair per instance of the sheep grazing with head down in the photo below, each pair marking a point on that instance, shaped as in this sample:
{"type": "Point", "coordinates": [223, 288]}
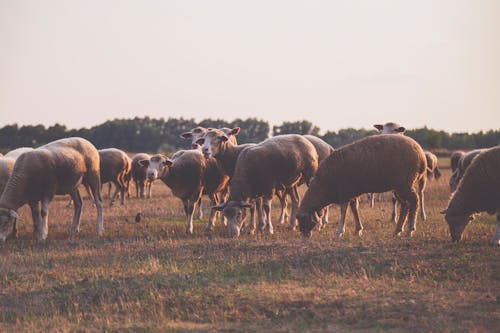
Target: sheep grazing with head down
{"type": "Point", "coordinates": [432, 166]}
{"type": "Point", "coordinates": [281, 162]}
{"type": "Point", "coordinates": [367, 165]}
{"type": "Point", "coordinates": [478, 191]}
{"type": "Point", "coordinates": [188, 175]}
{"type": "Point", "coordinates": [116, 168]}
{"type": "Point", "coordinates": [463, 164]}
{"type": "Point", "coordinates": [53, 169]}
{"type": "Point", "coordinates": [139, 174]}
{"type": "Point", "coordinates": [455, 158]}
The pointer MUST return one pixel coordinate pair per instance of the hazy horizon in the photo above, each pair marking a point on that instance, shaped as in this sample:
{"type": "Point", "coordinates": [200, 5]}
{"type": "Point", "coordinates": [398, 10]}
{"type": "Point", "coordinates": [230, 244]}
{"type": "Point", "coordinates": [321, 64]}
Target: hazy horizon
{"type": "Point", "coordinates": [337, 64]}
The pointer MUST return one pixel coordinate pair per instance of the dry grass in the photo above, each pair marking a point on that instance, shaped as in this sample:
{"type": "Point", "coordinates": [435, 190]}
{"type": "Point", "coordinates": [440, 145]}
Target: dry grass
{"type": "Point", "coordinates": [150, 276]}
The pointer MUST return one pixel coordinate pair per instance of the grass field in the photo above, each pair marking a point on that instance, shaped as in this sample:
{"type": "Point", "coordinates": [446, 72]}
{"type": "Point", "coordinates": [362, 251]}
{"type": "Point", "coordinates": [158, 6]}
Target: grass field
{"type": "Point", "coordinates": [151, 276]}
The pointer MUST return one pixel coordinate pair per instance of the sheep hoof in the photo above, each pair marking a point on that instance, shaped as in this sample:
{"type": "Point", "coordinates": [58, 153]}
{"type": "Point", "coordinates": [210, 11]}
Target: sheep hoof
{"type": "Point", "coordinates": [251, 231]}
{"type": "Point", "coordinates": [409, 233]}
{"type": "Point", "coordinates": [397, 233]}
{"type": "Point", "coordinates": [208, 227]}
{"type": "Point", "coordinates": [339, 234]}
{"type": "Point", "coordinates": [359, 232]}
{"type": "Point", "coordinates": [496, 242]}
{"type": "Point", "coordinates": [189, 231]}
{"type": "Point", "coordinates": [271, 232]}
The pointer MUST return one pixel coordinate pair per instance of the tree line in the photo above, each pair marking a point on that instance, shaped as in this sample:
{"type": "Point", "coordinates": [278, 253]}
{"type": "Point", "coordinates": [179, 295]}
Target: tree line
{"type": "Point", "coordinates": [159, 135]}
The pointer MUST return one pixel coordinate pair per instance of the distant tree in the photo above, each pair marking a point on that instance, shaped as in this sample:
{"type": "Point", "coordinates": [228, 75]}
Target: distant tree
{"type": "Point", "coordinates": [297, 127]}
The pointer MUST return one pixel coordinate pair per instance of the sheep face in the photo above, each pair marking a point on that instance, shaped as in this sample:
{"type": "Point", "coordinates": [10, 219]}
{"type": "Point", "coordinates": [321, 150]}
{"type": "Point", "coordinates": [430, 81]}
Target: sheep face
{"type": "Point", "coordinates": [195, 135]}
{"type": "Point", "coordinates": [215, 139]}
{"type": "Point", "coordinates": [8, 218]}
{"type": "Point", "coordinates": [156, 166]}
{"type": "Point", "coordinates": [390, 128]}
{"type": "Point", "coordinates": [307, 222]}
{"type": "Point", "coordinates": [457, 224]}
{"type": "Point", "coordinates": [235, 213]}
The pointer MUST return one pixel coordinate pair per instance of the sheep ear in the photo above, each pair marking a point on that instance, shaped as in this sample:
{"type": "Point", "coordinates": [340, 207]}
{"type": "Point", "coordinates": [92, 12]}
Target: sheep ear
{"type": "Point", "coordinates": [379, 127]}
{"type": "Point", "coordinates": [168, 162]}
{"type": "Point", "coordinates": [234, 131]}
{"type": "Point", "coordinates": [144, 163]}
{"type": "Point", "coordinates": [400, 129]}
{"type": "Point", "coordinates": [186, 135]}
{"type": "Point", "coordinates": [219, 207]}
{"type": "Point", "coordinates": [244, 204]}
{"type": "Point", "coordinates": [444, 211]}
{"type": "Point", "coordinates": [200, 141]}
{"type": "Point", "coordinates": [223, 137]}
{"type": "Point", "coordinates": [13, 214]}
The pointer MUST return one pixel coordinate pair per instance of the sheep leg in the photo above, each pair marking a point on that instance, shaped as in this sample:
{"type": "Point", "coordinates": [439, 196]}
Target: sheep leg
{"type": "Point", "coordinates": [284, 213]}
{"type": "Point", "coordinates": [496, 235]}
{"type": "Point", "coordinates": [149, 187]}
{"type": "Point", "coordinates": [77, 203]}
{"type": "Point", "coordinates": [214, 201]}
{"type": "Point", "coordinates": [324, 218]}
{"type": "Point", "coordinates": [137, 187]}
{"type": "Point", "coordinates": [294, 195]}
{"type": "Point", "coordinates": [200, 210]}
{"type": "Point", "coordinates": [403, 213]}
{"type": "Point", "coordinates": [35, 214]}
{"type": "Point", "coordinates": [117, 189]}
{"type": "Point", "coordinates": [343, 214]}
{"type": "Point", "coordinates": [371, 198]}
{"type": "Point", "coordinates": [412, 214]}
{"type": "Point", "coordinates": [251, 228]}
{"type": "Point", "coordinates": [421, 188]}
{"type": "Point", "coordinates": [189, 206]}
{"type": "Point", "coordinates": [260, 214]}
{"type": "Point", "coordinates": [43, 228]}
{"type": "Point", "coordinates": [96, 193]}
{"type": "Point", "coordinates": [354, 204]}
{"type": "Point", "coordinates": [267, 209]}
{"type": "Point", "coordinates": [394, 216]}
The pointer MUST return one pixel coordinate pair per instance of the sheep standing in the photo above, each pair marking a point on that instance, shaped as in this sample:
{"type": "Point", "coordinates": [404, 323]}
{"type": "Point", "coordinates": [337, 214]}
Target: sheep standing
{"type": "Point", "coordinates": [463, 164]}
{"type": "Point", "coordinates": [455, 158]}
{"type": "Point", "coordinates": [188, 175]}
{"type": "Point", "coordinates": [280, 162]}
{"type": "Point", "coordinates": [478, 191]}
{"type": "Point", "coordinates": [115, 168]}
{"type": "Point", "coordinates": [53, 169]}
{"type": "Point", "coordinates": [432, 166]}
{"type": "Point", "coordinates": [139, 174]}
{"type": "Point", "coordinates": [367, 165]}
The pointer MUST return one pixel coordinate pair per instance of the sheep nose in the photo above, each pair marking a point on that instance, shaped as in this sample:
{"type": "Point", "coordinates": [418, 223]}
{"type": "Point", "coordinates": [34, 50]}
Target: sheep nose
{"type": "Point", "coordinates": [194, 145]}
{"type": "Point", "coordinates": [151, 176]}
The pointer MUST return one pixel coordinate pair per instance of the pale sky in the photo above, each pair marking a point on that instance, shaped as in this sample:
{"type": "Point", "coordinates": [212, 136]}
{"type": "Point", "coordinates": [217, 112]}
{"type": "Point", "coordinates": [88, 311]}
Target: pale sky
{"type": "Point", "coordinates": [335, 63]}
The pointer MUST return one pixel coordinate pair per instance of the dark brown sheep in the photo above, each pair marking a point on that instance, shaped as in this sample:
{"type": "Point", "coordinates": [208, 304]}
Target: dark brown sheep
{"type": "Point", "coordinates": [463, 164]}
{"type": "Point", "coordinates": [139, 175]}
{"type": "Point", "coordinates": [455, 158]}
{"type": "Point", "coordinates": [364, 166]}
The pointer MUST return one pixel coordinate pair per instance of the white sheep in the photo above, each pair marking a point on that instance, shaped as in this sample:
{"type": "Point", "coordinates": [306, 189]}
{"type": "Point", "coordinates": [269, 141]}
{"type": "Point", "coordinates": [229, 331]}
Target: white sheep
{"type": "Point", "coordinates": [53, 169]}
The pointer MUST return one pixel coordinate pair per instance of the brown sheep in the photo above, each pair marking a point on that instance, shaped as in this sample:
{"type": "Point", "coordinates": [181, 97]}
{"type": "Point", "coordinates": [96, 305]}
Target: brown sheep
{"type": "Point", "coordinates": [455, 158]}
{"type": "Point", "coordinates": [390, 128]}
{"type": "Point", "coordinates": [478, 191]}
{"type": "Point", "coordinates": [367, 165]}
{"type": "Point", "coordinates": [53, 169]}
{"type": "Point", "coordinates": [139, 174]}
{"type": "Point", "coordinates": [189, 175]}
{"type": "Point", "coordinates": [463, 164]}
{"type": "Point", "coordinates": [115, 168]}
{"type": "Point", "coordinates": [432, 166]}
{"type": "Point", "coordinates": [280, 162]}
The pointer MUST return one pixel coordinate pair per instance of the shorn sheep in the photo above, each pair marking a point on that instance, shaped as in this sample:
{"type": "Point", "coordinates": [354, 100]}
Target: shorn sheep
{"type": "Point", "coordinates": [115, 168]}
{"type": "Point", "coordinates": [478, 191]}
{"type": "Point", "coordinates": [189, 175]}
{"type": "Point", "coordinates": [53, 169]}
{"type": "Point", "coordinates": [139, 175]}
{"type": "Point", "coordinates": [455, 158]}
{"type": "Point", "coordinates": [280, 162]}
{"type": "Point", "coordinates": [432, 166]}
{"type": "Point", "coordinates": [367, 165]}
{"type": "Point", "coordinates": [463, 164]}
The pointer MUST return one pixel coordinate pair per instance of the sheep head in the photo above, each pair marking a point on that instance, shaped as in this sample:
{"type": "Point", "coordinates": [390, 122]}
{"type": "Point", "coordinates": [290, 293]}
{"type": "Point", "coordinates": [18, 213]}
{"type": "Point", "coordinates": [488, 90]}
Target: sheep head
{"type": "Point", "coordinates": [8, 218]}
{"type": "Point", "coordinates": [194, 135]}
{"type": "Point", "coordinates": [235, 213]}
{"type": "Point", "coordinates": [390, 128]}
{"type": "Point", "coordinates": [215, 140]}
{"type": "Point", "coordinates": [156, 166]}
{"type": "Point", "coordinates": [307, 222]}
{"type": "Point", "coordinates": [457, 223]}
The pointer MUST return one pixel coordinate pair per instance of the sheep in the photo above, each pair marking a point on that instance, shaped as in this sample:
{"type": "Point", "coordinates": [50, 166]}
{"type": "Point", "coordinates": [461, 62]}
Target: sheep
{"type": "Point", "coordinates": [455, 158]}
{"type": "Point", "coordinates": [139, 174]}
{"type": "Point", "coordinates": [432, 166]}
{"type": "Point", "coordinates": [115, 168]}
{"type": "Point", "coordinates": [390, 128]}
{"type": "Point", "coordinates": [367, 165]}
{"type": "Point", "coordinates": [53, 169]}
{"type": "Point", "coordinates": [7, 164]}
{"type": "Point", "coordinates": [188, 175]}
{"type": "Point", "coordinates": [280, 162]}
{"type": "Point", "coordinates": [478, 191]}
{"type": "Point", "coordinates": [463, 164]}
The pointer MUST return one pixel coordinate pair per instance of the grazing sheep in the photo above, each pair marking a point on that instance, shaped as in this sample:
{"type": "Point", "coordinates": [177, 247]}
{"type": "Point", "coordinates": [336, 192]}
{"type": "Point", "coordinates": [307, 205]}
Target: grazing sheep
{"type": "Point", "coordinates": [463, 164]}
{"type": "Point", "coordinates": [432, 166]}
{"type": "Point", "coordinates": [364, 166]}
{"type": "Point", "coordinates": [139, 174]}
{"type": "Point", "coordinates": [478, 191]}
{"type": "Point", "coordinates": [115, 168]}
{"type": "Point", "coordinates": [53, 169]}
{"type": "Point", "coordinates": [455, 158]}
{"type": "Point", "coordinates": [390, 128]}
{"type": "Point", "coordinates": [280, 162]}
{"type": "Point", "coordinates": [188, 175]}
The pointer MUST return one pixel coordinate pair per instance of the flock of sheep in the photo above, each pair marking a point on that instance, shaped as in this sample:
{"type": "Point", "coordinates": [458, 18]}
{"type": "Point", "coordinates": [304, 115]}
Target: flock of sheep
{"type": "Point", "coordinates": [241, 178]}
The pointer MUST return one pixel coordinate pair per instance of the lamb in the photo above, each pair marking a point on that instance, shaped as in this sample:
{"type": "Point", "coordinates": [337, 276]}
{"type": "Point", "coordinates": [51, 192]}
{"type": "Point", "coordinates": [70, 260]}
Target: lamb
{"type": "Point", "coordinates": [53, 169]}
{"type": "Point", "coordinates": [432, 166]}
{"type": "Point", "coordinates": [139, 174]}
{"type": "Point", "coordinates": [115, 168]}
{"type": "Point", "coordinates": [455, 158]}
{"type": "Point", "coordinates": [463, 164]}
{"type": "Point", "coordinates": [188, 175]}
{"type": "Point", "coordinates": [280, 162]}
{"type": "Point", "coordinates": [478, 191]}
{"type": "Point", "coordinates": [367, 165]}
